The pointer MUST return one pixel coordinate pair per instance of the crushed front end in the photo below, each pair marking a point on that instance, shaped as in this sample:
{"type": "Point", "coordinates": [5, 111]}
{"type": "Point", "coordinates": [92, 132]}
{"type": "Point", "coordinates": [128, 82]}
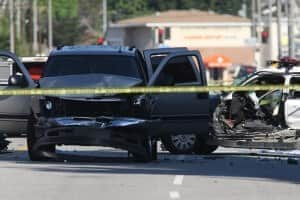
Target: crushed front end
{"type": "Point", "coordinates": [118, 122]}
{"type": "Point", "coordinates": [237, 123]}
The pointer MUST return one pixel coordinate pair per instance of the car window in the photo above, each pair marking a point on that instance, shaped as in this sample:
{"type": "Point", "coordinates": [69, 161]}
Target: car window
{"type": "Point", "coordinates": [177, 71]}
{"type": "Point", "coordinates": [8, 67]}
{"type": "Point", "coordinates": [157, 58]}
{"type": "Point", "coordinates": [92, 64]}
{"type": "Point", "coordinates": [295, 93]}
{"type": "Point", "coordinates": [155, 61]}
{"type": "Point", "coordinates": [272, 99]}
{"type": "Point", "coordinates": [5, 72]}
{"type": "Point", "coordinates": [266, 80]}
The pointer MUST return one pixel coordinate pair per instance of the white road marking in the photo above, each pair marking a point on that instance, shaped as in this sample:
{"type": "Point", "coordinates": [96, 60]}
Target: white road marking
{"type": "Point", "coordinates": [174, 195]}
{"type": "Point", "coordinates": [178, 180]}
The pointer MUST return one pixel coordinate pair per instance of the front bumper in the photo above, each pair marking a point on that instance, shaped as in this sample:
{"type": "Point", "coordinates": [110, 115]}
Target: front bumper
{"type": "Point", "coordinates": [117, 132]}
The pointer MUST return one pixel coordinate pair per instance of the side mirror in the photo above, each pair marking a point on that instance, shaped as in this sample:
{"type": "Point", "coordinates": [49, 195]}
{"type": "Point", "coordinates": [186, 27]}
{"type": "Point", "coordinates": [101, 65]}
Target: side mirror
{"type": "Point", "coordinates": [16, 80]}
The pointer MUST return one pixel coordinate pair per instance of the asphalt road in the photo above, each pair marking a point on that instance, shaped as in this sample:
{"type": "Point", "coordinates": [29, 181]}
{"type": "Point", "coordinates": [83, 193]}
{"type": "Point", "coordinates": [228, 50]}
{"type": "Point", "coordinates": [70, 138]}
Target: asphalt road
{"type": "Point", "coordinates": [225, 175]}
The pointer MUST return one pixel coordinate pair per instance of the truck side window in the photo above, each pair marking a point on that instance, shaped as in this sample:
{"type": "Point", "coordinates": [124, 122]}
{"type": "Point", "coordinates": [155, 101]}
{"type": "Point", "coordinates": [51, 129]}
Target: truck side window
{"type": "Point", "coordinates": [177, 71]}
{"type": "Point", "coordinates": [155, 60]}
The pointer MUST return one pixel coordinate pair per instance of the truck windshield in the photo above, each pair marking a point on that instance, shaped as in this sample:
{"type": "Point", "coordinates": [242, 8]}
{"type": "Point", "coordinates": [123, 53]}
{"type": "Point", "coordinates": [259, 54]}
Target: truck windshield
{"type": "Point", "coordinates": [92, 64]}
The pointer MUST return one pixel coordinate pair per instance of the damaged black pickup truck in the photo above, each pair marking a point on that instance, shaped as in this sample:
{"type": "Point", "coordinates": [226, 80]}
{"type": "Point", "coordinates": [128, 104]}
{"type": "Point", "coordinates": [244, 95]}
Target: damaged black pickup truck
{"type": "Point", "coordinates": [130, 122]}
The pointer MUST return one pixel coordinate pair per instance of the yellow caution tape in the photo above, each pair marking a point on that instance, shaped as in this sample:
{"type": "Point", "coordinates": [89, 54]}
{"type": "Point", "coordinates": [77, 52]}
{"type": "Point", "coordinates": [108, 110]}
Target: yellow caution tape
{"type": "Point", "coordinates": [145, 90]}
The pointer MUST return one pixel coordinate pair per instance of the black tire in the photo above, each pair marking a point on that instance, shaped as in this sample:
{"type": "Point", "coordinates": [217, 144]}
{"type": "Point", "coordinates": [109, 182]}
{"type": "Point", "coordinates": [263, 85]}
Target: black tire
{"type": "Point", "coordinates": [3, 143]}
{"type": "Point", "coordinates": [202, 148]}
{"type": "Point", "coordinates": [151, 151]}
{"type": "Point", "coordinates": [197, 145]}
{"type": "Point", "coordinates": [36, 155]}
{"type": "Point", "coordinates": [179, 144]}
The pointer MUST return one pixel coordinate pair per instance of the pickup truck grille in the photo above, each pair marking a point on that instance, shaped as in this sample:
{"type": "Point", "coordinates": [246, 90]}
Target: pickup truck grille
{"type": "Point", "coordinates": [81, 108]}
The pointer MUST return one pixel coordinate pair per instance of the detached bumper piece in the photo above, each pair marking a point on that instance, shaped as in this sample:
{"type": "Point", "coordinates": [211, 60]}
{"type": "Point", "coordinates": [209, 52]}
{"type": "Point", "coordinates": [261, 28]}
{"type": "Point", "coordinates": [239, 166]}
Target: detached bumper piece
{"type": "Point", "coordinates": [3, 143]}
{"type": "Point", "coordinates": [118, 132]}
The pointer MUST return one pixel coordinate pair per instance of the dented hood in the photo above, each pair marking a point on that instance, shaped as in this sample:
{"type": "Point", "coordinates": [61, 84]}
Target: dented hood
{"type": "Point", "coordinates": [89, 81]}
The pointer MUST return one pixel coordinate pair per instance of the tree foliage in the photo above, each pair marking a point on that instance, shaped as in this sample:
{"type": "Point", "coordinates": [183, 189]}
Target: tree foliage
{"type": "Point", "coordinates": [4, 34]}
{"type": "Point", "coordinates": [76, 21]}
{"type": "Point", "coordinates": [125, 9]}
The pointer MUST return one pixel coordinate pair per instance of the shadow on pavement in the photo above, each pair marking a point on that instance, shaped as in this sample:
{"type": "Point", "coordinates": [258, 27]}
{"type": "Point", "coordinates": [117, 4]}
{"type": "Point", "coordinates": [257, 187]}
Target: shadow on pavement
{"type": "Point", "coordinates": [242, 167]}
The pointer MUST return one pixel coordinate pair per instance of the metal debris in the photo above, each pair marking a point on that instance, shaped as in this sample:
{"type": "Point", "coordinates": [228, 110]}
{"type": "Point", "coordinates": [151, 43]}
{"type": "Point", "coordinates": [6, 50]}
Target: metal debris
{"type": "Point", "coordinates": [292, 161]}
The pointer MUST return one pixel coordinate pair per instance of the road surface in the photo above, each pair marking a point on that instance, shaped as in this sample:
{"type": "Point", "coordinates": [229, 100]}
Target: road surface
{"type": "Point", "coordinates": [226, 175]}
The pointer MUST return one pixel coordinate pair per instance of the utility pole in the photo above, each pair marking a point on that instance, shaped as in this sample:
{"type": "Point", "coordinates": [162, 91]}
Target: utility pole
{"type": "Point", "coordinates": [291, 19]}
{"type": "Point", "coordinates": [270, 19]}
{"type": "Point", "coordinates": [254, 18]}
{"type": "Point", "coordinates": [50, 26]}
{"type": "Point", "coordinates": [18, 19]}
{"type": "Point", "coordinates": [259, 21]}
{"type": "Point", "coordinates": [104, 17]}
{"type": "Point", "coordinates": [35, 27]}
{"type": "Point", "coordinates": [12, 29]}
{"type": "Point", "coordinates": [4, 4]}
{"type": "Point", "coordinates": [279, 15]}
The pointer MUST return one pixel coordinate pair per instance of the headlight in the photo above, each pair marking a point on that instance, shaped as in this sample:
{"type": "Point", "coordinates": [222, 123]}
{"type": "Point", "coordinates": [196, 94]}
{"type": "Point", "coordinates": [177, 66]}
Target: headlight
{"type": "Point", "coordinates": [48, 105]}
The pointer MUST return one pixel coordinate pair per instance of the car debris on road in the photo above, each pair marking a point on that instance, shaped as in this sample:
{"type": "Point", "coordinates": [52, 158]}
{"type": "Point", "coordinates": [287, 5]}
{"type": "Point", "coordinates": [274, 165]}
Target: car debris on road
{"type": "Point", "coordinates": [268, 121]}
{"type": "Point", "coordinates": [3, 143]}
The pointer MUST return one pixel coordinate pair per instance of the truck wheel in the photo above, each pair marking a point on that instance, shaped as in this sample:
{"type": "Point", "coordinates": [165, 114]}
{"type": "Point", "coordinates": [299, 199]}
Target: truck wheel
{"type": "Point", "coordinates": [36, 155]}
{"type": "Point", "coordinates": [180, 144]}
{"type": "Point", "coordinates": [3, 143]}
{"type": "Point", "coordinates": [202, 148]}
{"type": "Point", "coordinates": [151, 151]}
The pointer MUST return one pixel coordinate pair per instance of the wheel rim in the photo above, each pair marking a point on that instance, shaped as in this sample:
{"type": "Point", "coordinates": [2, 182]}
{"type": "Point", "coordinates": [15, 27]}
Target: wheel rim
{"type": "Point", "coordinates": [183, 142]}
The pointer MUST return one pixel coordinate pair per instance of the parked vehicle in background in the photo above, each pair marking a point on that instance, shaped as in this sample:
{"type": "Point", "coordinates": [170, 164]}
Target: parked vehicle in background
{"type": "Point", "coordinates": [14, 110]}
{"type": "Point", "coordinates": [35, 66]}
{"type": "Point", "coordinates": [241, 73]}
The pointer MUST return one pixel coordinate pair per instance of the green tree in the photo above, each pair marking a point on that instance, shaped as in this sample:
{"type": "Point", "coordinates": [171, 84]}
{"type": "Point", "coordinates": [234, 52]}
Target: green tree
{"type": "Point", "coordinates": [64, 9]}
{"type": "Point", "coordinates": [65, 22]}
{"type": "Point", "coordinates": [120, 9]}
{"type": "Point", "coordinates": [219, 6]}
{"type": "Point", "coordinates": [4, 33]}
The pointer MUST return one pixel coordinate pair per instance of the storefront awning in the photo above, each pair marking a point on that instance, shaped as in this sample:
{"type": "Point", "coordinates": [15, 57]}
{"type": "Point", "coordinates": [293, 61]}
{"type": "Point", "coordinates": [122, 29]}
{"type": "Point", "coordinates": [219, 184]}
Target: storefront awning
{"type": "Point", "coordinates": [218, 61]}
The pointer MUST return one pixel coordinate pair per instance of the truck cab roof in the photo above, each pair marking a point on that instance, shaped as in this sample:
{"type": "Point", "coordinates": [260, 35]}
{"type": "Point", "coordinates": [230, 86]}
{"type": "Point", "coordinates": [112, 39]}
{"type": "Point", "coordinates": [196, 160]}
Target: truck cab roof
{"type": "Point", "coordinates": [94, 50]}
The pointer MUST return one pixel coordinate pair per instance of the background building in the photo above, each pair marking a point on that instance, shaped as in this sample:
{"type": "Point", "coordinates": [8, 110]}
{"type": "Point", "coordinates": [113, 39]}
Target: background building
{"type": "Point", "coordinates": [223, 40]}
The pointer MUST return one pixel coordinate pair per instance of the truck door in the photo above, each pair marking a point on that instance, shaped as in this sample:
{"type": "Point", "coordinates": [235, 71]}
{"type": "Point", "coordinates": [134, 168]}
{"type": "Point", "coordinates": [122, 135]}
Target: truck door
{"type": "Point", "coordinates": [14, 110]}
{"type": "Point", "coordinates": [180, 113]}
